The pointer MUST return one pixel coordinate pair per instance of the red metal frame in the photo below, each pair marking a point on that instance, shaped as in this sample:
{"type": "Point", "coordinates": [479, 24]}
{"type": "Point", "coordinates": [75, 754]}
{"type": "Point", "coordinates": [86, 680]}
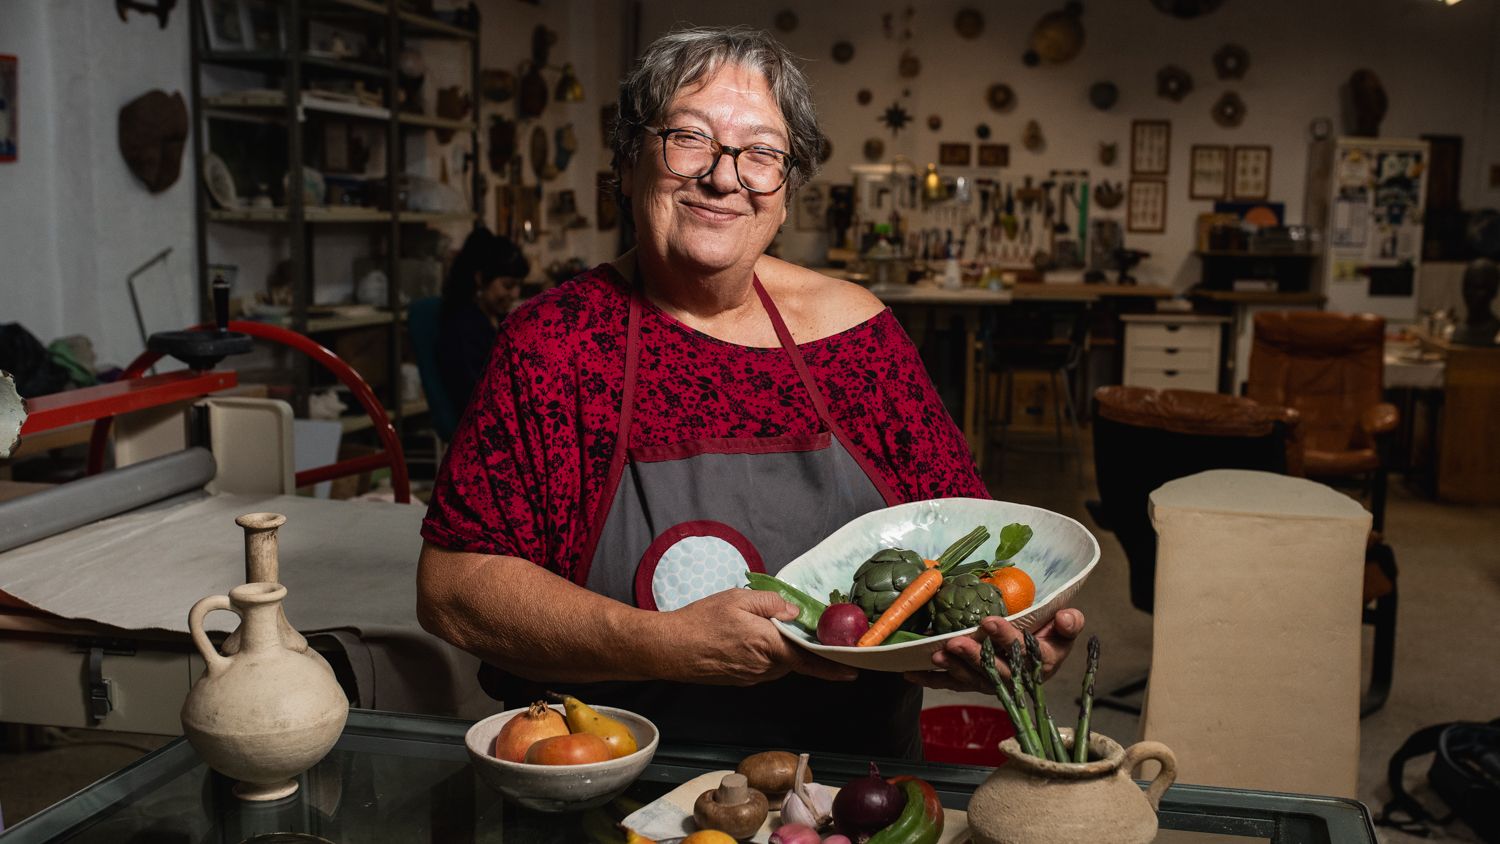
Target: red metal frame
{"type": "Point", "coordinates": [59, 410]}
{"type": "Point", "coordinates": [390, 455]}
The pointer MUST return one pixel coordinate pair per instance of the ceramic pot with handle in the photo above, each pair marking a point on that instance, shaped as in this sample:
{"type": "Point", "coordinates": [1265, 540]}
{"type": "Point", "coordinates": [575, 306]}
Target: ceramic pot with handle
{"type": "Point", "coordinates": [1030, 800]}
{"type": "Point", "coordinates": [267, 713]}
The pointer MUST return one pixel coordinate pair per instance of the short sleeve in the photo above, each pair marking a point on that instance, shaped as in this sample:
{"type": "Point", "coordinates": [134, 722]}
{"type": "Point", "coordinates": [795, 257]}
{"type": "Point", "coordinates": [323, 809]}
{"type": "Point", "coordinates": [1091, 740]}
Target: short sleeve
{"type": "Point", "coordinates": [494, 494]}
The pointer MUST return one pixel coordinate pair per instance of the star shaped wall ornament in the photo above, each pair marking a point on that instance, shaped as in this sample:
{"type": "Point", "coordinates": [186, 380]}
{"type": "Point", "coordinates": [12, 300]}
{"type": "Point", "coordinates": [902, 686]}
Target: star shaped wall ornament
{"type": "Point", "coordinates": [896, 117]}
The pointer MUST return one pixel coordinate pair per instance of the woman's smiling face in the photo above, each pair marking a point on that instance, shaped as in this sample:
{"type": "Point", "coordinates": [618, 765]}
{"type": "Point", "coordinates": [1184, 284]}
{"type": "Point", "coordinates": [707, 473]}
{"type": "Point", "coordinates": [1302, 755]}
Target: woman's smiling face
{"type": "Point", "coordinates": [711, 224]}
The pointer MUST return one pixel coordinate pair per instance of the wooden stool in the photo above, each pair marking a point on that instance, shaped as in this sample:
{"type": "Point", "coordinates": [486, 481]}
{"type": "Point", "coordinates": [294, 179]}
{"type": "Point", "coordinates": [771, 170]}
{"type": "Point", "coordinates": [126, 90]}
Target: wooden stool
{"type": "Point", "coordinates": [1255, 656]}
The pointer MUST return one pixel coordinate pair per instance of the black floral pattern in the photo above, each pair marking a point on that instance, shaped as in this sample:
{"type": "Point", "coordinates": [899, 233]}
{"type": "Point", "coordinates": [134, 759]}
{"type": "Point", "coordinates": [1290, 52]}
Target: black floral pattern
{"type": "Point", "coordinates": [525, 474]}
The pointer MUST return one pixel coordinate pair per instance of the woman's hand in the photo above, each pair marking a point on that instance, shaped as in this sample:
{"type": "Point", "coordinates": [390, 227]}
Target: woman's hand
{"type": "Point", "coordinates": [727, 639]}
{"type": "Point", "coordinates": [959, 657]}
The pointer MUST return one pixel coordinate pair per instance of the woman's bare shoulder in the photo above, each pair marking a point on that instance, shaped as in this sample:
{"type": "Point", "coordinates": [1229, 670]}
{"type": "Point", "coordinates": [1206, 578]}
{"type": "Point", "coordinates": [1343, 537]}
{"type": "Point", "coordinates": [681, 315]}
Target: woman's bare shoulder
{"type": "Point", "coordinates": [815, 305]}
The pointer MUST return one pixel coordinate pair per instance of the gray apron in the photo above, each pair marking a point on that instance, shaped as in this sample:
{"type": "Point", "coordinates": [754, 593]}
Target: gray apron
{"type": "Point", "coordinates": [687, 520]}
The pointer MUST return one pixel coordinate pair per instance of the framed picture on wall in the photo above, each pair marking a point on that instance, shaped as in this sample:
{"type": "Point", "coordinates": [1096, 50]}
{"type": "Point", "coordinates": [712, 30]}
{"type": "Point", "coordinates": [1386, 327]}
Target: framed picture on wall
{"type": "Point", "coordinates": [264, 24]}
{"type": "Point", "coordinates": [1250, 175]}
{"type": "Point", "coordinates": [1150, 147]}
{"type": "Point", "coordinates": [1209, 177]}
{"type": "Point", "coordinates": [812, 207]}
{"type": "Point", "coordinates": [955, 155]}
{"type": "Point", "coordinates": [226, 24]}
{"type": "Point", "coordinates": [1146, 206]}
{"type": "Point", "coordinates": [9, 86]}
{"type": "Point", "coordinates": [994, 155]}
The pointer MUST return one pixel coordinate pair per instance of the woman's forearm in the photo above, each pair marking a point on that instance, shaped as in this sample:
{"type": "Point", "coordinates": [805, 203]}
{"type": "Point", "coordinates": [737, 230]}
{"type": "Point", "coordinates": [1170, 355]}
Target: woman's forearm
{"type": "Point", "coordinates": [530, 622]}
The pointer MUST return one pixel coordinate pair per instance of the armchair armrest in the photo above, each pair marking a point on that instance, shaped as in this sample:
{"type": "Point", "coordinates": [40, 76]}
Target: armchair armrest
{"type": "Point", "coordinates": [1379, 419]}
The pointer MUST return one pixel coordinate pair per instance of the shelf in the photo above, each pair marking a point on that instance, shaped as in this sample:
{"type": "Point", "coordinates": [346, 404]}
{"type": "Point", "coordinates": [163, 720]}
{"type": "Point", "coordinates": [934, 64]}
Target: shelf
{"type": "Point", "coordinates": [433, 27]}
{"type": "Point", "coordinates": [437, 216]}
{"type": "Point", "coordinates": [422, 120]}
{"type": "Point", "coordinates": [362, 5]}
{"type": "Point", "coordinates": [268, 99]}
{"type": "Point", "coordinates": [1253, 297]}
{"type": "Point", "coordinates": [1235, 253]}
{"type": "Point", "coordinates": [344, 323]}
{"type": "Point", "coordinates": [335, 214]}
{"type": "Point", "coordinates": [271, 60]}
{"type": "Point", "coordinates": [314, 214]}
{"type": "Point", "coordinates": [362, 422]}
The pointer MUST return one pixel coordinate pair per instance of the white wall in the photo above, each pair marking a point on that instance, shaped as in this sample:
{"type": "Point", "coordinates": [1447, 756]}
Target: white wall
{"type": "Point", "coordinates": [1440, 66]}
{"type": "Point", "coordinates": [73, 220]}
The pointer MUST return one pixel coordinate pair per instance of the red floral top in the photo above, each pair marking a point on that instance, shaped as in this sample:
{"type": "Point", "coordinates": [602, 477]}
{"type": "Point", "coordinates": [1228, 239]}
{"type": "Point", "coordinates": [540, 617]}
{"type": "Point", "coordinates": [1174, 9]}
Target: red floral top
{"type": "Point", "coordinates": [525, 472]}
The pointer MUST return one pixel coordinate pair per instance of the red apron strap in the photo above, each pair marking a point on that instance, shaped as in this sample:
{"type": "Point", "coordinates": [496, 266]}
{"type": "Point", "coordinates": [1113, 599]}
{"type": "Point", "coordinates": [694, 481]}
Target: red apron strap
{"type": "Point", "coordinates": [819, 404]}
{"type": "Point", "coordinates": [622, 441]}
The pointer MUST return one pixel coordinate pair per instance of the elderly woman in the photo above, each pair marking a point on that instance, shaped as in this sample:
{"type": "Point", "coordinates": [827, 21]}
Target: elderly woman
{"type": "Point", "coordinates": [652, 428]}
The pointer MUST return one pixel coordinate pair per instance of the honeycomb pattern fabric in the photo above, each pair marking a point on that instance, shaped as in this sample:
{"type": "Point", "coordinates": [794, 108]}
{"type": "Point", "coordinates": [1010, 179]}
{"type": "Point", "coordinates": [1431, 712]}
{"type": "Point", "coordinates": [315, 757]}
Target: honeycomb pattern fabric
{"type": "Point", "coordinates": [696, 567]}
{"type": "Point", "coordinates": [525, 474]}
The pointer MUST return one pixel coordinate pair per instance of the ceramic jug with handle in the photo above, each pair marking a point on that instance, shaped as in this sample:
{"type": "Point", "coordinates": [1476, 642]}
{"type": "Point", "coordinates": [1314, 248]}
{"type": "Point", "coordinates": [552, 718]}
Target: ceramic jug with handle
{"type": "Point", "coordinates": [1030, 800]}
{"type": "Point", "coordinates": [267, 713]}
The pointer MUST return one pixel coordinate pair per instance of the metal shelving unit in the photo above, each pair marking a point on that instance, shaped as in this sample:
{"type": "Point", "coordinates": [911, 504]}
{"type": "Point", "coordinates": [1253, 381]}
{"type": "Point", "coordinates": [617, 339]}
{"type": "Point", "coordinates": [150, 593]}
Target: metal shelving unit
{"type": "Point", "coordinates": [292, 106]}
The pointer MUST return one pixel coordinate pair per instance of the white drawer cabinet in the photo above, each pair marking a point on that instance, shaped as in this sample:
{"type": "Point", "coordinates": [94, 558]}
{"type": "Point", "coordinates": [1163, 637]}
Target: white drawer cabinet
{"type": "Point", "coordinates": [1173, 351]}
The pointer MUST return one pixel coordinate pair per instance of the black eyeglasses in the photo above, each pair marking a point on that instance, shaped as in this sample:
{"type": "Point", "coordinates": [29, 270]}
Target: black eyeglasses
{"type": "Point", "coordinates": [693, 155]}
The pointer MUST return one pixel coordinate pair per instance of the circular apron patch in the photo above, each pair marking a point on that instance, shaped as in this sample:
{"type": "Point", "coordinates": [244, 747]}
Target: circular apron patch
{"type": "Point", "coordinates": [691, 561]}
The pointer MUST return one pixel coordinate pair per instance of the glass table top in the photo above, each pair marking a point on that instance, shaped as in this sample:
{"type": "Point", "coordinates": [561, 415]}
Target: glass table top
{"type": "Point", "coordinates": [406, 778]}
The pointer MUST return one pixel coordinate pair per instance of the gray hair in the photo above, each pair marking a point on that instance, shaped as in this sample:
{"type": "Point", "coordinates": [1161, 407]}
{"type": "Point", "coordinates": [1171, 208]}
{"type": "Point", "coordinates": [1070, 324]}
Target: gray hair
{"type": "Point", "coordinates": [685, 56]}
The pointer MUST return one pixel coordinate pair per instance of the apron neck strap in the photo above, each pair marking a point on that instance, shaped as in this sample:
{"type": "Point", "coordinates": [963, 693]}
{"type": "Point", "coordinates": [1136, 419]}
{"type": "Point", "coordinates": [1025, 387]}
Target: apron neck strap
{"type": "Point", "coordinates": [632, 364]}
{"type": "Point", "coordinates": [790, 346]}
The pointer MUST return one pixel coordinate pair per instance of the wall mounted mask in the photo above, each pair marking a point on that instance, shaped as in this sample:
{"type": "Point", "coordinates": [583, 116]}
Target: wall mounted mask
{"type": "Point", "coordinates": [153, 129]}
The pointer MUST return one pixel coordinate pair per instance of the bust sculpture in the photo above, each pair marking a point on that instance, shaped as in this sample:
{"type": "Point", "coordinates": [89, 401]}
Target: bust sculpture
{"type": "Point", "coordinates": [1481, 282]}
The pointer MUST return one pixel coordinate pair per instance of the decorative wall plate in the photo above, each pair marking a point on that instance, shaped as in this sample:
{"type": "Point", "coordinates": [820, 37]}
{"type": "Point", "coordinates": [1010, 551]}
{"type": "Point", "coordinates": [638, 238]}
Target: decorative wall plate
{"type": "Point", "coordinates": [1103, 95]}
{"type": "Point", "coordinates": [1229, 111]}
{"type": "Point", "coordinates": [220, 182]}
{"type": "Point", "coordinates": [910, 66]}
{"type": "Point", "coordinates": [786, 20]}
{"type": "Point", "coordinates": [1000, 97]}
{"type": "Point", "coordinates": [1057, 37]}
{"type": "Point", "coordinates": [1231, 62]}
{"type": "Point", "coordinates": [864, 96]}
{"type": "Point", "coordinates": [934, 122]}
{"type": "Point", "coordinates": [969, 23]}
{"type": "Point", "coordinates": [1173, 83]}
{"type": "Point", "coordinates": [843, 51]}
{"type": "Point", "coordinates": [874, 149]}
{"type": "Point", "coordinates": [982, 131]}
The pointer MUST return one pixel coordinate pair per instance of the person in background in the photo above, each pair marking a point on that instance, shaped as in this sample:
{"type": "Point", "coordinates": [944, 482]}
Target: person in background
{"type": "Point", "coordinates": [483, 285]}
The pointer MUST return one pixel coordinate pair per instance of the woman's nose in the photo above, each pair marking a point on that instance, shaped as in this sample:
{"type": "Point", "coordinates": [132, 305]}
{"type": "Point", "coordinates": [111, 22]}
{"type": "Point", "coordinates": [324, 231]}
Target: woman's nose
{"type": "Point", "coordinates": [723, 179]}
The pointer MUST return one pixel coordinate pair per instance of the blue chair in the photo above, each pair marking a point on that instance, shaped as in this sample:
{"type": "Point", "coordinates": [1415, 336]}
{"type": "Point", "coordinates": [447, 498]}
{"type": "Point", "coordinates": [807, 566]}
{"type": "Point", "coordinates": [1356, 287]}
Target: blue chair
{"type": "Point", "coordinates": [423, 321]}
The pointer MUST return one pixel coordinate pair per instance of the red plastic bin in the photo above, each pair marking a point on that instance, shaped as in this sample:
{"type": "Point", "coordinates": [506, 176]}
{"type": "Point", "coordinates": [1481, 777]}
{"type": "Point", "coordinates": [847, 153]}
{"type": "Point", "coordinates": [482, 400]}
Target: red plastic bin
{"type": "Point", "coordinates": [965, 735]}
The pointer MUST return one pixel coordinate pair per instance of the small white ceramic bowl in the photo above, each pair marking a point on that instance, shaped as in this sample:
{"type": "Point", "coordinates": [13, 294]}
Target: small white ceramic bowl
{"type": "Point", "coordinates": [560, 788]}
{"type": "Point", "coordinates": [1059, 557]}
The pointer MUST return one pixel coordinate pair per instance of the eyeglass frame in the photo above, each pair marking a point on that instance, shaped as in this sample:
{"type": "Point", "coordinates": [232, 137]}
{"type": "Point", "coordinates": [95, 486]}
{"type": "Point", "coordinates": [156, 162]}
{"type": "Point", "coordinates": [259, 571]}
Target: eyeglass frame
{"type": "Point", "coordinates": [719, 149]}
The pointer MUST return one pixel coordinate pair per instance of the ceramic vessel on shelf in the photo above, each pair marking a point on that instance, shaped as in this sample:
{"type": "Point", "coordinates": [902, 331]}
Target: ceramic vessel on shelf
{"type": "Point", "coordinates": [1030, 800]}
{"type": "Point", "coordinates": [271, 708]}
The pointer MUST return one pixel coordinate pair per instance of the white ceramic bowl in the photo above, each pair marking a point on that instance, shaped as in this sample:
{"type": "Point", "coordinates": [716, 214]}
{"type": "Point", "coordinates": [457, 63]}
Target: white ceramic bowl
{"type": "Point", "coordinates": [1059, 557]}
{"type": "Point", "coordinates": [560, 788]}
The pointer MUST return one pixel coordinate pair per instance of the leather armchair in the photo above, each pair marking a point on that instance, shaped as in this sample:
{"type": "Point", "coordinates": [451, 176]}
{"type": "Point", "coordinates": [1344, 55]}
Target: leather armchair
{"type": "Point", "coordinates": [1329, 367]}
